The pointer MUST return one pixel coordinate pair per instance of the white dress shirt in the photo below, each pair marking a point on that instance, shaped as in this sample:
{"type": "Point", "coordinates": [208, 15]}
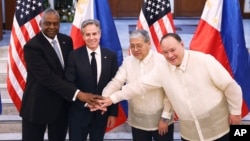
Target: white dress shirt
{"type": "Point", "coordinates": [98, 60]}
{"type": "Point", "coordinates": [197, 88]}
{"type": "Point", "coordinates": [146, 110]}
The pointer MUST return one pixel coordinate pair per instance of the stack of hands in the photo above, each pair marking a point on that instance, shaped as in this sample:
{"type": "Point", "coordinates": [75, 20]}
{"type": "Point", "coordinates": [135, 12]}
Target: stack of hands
{"type": "Point", "coordinates": [95, 102]}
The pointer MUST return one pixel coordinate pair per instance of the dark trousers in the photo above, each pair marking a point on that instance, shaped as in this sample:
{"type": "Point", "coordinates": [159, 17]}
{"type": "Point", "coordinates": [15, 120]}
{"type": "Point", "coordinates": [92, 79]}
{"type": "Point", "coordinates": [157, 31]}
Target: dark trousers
{"type": "Point", "coordinates": [35, 132]}
{"type": "Point", "coordinates": [223, 138]}
{"type": "Point", "coordinates": [142, 135]}
{"type": "Point", "coordinates": [84, 123]}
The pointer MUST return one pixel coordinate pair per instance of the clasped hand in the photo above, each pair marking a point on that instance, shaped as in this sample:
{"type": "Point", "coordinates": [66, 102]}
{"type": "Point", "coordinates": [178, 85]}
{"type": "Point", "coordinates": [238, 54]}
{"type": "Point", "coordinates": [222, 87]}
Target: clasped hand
{"type": "Point", "coordinates": [95, 102]}
{"type": "Point", "coordinates": [100, 104]}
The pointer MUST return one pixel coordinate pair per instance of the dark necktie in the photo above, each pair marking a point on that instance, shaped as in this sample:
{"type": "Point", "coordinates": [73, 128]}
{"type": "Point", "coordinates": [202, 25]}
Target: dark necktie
{"type": "Point", "coordinates": [93, 65]}
{"type": "Point", "coordinates": [56, 48]}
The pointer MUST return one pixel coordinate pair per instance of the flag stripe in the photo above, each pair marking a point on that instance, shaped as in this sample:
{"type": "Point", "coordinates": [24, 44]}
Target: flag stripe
{"type": "Point", "coordinates": [216, 35]}
{"type": "Point", "coordinates": [25, 26]}
{"type": "Point", "coordinates": [16, 58]}
{"type": "Point", "coordinates": [163, 24]}
{"type": "Point", "coordinates": [235, 46]}
{"type": "Point", "coordinates": [25, 33]}
{"type": "Point", "coordinates": [76, 32]}
{"type": "Point", "coordinates": [245, 109]}
{"type": "Point", "coordinates": [170, 23]}
{"type": "Point", "coordinates": [159, 31]}
{"type": "Point", "coordinates": [17, 73]}
{"type": "Point", "coordinates": [13, 90]}
{"type": "Point", "coordinates": [14, 82]}
{"type": "Point", "coordinates": [155, 38]}
{"type": "Point", "coordinates": [211, 44]}
{"type": "Point", "coordinates": [34, 26]}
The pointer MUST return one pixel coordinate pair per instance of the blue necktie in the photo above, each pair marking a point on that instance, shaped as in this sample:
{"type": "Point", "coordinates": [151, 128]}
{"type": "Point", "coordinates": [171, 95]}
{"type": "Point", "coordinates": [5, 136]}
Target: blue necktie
{"type": "Point", "coordinates": [56, 48]}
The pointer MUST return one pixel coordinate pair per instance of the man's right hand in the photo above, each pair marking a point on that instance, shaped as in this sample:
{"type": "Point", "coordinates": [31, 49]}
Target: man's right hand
{"type": "Point", "coordinates": [89, 98]}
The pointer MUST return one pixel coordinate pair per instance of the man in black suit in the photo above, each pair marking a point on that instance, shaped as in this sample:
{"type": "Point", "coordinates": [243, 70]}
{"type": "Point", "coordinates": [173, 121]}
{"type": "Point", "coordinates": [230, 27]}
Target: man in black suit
{"type": "Point", "coordinates": [83, 122]}
{"type": "Point", "coordinates": [46, 95]}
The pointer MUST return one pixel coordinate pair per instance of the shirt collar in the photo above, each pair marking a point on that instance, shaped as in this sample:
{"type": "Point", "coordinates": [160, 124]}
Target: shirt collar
{"type": "Point", "coordinates": [184, 62]}
{"type": "Point", "coordinates": [146, 59]}
{"type": "Point", "coordinates": [97, 51]}
{"type": "Point", "coordinates": [49, 39]}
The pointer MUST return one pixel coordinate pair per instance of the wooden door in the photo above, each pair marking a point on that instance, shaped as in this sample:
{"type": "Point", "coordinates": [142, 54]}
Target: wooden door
{"type": "Point", "coordinates": [188, 8]}
{"type": "Point", "coordinates": [1, 22]}
{"type": "Point", "coordinates": [194, 8]}
{"type": "Point", "coordinates": [10, 6]}
{"type": "Point", "coordinates": [125, 8]}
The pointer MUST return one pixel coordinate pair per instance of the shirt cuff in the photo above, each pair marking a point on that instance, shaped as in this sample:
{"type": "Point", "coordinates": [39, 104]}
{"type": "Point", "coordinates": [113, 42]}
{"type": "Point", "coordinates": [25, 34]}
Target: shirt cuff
{"type": "Point", "coordinates": [74, 98]}
{"type": "Point", "coordinates": [113, 99]}
{"type": "Point", "coordinates": [166, 115]}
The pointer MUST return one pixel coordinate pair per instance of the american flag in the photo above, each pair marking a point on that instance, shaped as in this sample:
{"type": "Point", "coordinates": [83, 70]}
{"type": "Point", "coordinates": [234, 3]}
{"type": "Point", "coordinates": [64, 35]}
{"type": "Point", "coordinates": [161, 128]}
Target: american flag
{"type": "Point", "coordinates": [25, 26]}
{"type": "Point", "coordinates": [156, 18]}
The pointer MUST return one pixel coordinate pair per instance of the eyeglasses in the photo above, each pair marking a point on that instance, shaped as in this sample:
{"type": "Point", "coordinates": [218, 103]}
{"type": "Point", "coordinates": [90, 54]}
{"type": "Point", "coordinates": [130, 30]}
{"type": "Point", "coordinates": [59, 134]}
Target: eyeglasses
{"type": "Point", "coordinates": [138, 47]}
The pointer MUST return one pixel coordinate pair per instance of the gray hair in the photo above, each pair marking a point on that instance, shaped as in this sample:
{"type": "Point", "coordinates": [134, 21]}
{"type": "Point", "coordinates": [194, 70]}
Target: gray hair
{"type": "Point", "coordinates": [90, 22]}
{"type": "Point", "coordinates": [50, 10]}
{"type": "Point", "coordinates": [140, 33]}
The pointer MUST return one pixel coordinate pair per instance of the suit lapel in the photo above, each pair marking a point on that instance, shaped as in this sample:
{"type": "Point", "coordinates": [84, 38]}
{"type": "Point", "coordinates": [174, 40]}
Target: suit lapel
{"type": "Point", "coordinates": [49, 49]}
{"type": "Point", "coordinates": [85, 60]}
{"type": "Point", "coordinates": [104, 60]}
{"type": "Point", "coordinates": [47, 46]}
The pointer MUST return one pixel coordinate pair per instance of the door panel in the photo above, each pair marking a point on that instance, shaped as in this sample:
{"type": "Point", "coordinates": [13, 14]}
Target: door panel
{"type": "Point", "coordinates": [188, 8]}
{"type": "Point", "coordinates": [10, 6]}
{"type": "Point", "coordinates": [194, 8]}
{"type": "Point", "coordinates": [125, 8]}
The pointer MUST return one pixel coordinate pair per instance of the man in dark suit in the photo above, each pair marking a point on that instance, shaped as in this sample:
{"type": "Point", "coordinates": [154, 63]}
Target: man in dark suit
{"type": "Point", "coordinates": [46, 95]}
{"type": "Point", "coordinates": [83, 122]}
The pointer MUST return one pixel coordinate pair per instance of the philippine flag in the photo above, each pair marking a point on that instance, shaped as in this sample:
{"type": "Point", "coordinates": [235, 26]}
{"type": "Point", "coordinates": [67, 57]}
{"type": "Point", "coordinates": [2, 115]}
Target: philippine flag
{"type": "Point", "coordinates": [220, 33]}
{"type": "Point", "coordinates": [99, 9]}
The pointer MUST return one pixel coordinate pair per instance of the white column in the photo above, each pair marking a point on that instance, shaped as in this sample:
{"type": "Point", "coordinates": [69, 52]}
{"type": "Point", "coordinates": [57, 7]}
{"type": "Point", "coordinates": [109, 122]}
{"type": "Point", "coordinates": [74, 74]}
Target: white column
{"type": "Point", "coordinates": [172, 5]}
{"type": "Point", "coordinates": [247, 6]}
{"type": "Point", "coordinates": [51, 3]}
{"type": "Point", "coordinates": [74, 3]}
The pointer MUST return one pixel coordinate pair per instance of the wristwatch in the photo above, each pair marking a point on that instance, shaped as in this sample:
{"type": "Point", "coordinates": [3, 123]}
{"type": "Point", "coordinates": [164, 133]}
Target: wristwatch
{"type": "Point", "coordinates": [164, 119]}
